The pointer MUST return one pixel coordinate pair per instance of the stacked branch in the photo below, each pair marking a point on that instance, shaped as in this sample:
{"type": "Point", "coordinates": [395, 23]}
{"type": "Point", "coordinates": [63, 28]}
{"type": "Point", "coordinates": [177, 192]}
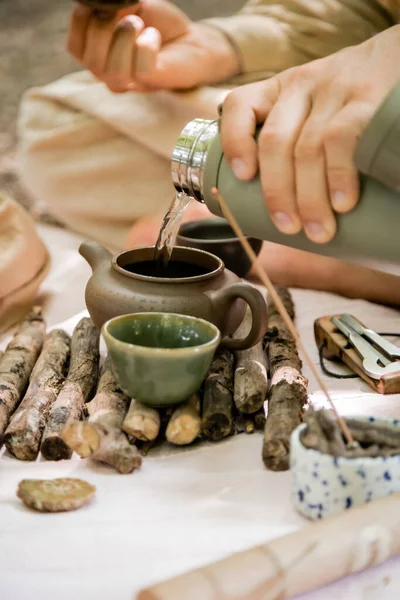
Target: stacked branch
{"type": "Point", "coordinates": [101, 437]}
{"type": "Point", "coordinates": [288, 393]}
{"type": "Point", "coordinates": [251, 379]}
{"type": "Point", "coordinates": [217, 421]}
{"type": "Point", "coordinates": [142, 422]}
{"type": "Point", "coordinates": [17, 363]}
{"type": "Point", "coordinates": [24, 433]}
{"type": "Point", "coordinates": [76, 391]}
{"type": "Point", "coordinates": [184, 426]}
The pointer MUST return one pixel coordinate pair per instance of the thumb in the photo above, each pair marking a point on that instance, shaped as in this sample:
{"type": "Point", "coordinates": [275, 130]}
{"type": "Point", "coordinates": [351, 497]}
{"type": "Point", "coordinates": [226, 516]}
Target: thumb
{"type": "Point", "coordinates": [175, 68]}
{"type": "Point", "coordinates": [170, 21]}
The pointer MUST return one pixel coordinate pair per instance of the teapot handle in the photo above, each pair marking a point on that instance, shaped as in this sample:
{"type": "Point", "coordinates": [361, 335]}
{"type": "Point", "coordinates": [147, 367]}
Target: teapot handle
{"type": "Point", "coordinates": [259, 313]}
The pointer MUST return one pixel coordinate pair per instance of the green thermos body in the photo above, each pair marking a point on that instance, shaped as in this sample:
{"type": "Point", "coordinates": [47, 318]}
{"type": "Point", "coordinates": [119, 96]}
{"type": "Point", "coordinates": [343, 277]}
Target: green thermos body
{"type": "Point", "coordinates": [369, 231]}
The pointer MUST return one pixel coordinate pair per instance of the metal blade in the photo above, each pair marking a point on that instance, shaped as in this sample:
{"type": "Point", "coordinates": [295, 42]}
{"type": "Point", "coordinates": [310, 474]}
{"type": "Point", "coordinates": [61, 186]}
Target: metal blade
{"type": "Point", "coordinates": [388, 348]}
{"type": "Point", "coordinates": [370, 355]}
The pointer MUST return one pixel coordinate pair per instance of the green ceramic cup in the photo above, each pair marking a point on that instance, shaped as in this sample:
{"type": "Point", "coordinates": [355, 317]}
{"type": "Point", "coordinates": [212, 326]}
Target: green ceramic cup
{"type": "Point", "coordinates": [160, 359]}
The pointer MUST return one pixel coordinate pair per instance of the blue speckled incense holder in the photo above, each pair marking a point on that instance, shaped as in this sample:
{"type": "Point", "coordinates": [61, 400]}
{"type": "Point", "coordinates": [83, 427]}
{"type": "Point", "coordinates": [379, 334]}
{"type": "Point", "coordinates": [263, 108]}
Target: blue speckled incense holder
{"type": "Point", "coordinates": [325, 485]}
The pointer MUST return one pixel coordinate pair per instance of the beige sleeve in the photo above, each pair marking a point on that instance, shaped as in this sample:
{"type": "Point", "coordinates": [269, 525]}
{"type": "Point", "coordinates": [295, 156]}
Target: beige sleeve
{"type": "Point", "coordinates": [273, 35]}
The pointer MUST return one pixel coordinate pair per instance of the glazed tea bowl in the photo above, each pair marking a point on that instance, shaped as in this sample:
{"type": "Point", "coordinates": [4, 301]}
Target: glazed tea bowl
{"type": "Point", "coordinates": [217, 236]}
{"type": "Point", "coordinates": [196, 283]}
{"type": "Point", "coordinates": [160, 359]}
{"type": "Point", "coordinates": [325, 485]}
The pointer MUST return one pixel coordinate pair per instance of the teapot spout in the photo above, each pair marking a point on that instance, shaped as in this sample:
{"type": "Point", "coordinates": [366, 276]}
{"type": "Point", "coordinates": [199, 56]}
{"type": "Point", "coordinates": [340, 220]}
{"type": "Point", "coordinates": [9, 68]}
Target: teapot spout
{"type": "Point", "coordinates": [95, 254]}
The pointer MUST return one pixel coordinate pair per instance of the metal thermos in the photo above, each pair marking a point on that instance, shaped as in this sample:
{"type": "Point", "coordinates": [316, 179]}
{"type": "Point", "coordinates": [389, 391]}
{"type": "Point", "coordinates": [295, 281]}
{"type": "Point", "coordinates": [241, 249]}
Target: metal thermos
{"type": "Point", "coordinates": [371, 230]}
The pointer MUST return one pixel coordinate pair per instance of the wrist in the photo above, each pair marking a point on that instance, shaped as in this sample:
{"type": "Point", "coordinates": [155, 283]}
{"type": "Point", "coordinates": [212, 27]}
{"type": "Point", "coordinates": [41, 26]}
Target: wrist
{"type": "Point", "coordinates": [224, 56]}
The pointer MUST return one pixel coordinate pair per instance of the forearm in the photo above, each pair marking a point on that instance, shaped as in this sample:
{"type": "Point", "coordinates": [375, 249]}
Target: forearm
{"type": "Point", "coordinates": [271, 35]}
{"type": "Point", "coordinates": [294, 268]}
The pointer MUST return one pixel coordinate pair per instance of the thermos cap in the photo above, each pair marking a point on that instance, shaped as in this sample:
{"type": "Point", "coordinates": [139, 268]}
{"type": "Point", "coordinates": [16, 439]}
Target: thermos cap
{"type": "Point", "coordinates": [189, 157]}
{"type": "Point", "coordinates": [378, 151]}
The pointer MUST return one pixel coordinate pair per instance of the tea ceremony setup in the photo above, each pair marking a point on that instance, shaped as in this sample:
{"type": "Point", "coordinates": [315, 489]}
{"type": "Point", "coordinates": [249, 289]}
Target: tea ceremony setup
{"type": "Point", "coordinates": [171, 456]}
{"type": "Point", "coordinates": [185, 412]}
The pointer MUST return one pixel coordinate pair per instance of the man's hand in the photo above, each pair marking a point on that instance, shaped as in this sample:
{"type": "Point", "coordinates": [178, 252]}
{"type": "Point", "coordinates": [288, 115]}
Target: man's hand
{"type": "Point", "coordinates": [313, 116]}
{"type": "Point", "coordinates": [150, 46]}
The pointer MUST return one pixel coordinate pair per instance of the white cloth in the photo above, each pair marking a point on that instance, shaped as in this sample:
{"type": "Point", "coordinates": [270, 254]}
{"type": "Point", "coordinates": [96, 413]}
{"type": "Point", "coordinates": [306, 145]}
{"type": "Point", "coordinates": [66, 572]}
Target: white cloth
{"type": "Point", "coordinates": [186, 507]}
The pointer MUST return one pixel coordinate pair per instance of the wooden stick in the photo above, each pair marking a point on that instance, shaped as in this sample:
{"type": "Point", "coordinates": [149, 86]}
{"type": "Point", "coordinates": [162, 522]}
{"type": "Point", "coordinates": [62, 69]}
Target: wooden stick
{"type": "Point", "coordinates": [185, 424]}
{"type": "Point", "coordinates": [330, 550]}
{"type": "Point", "coordinates": [17, 363]}
{"type": "Point", "coordinates": [217, 421]}
{"type": "Point", "coordinates": [101, 437]}
{"type": "Point", "coordinates": [249, 424]}
{"type": "Point", "coordinates": [24, 433]}
{"type": "Point", "coordinates": [251, 379]}
{"type": "Point", "coordinates": [288, 393]}
{"type": "Point", "coordinates": [79, 385]}
{"type": "Point", "coordinates": [323, 434]}
{"type": "Point", "coordinates": [259, 419]}
{"type": "Point", "coordinates": [145, 447]}
{"type": "Point", "coordinates": [367, 432]}
{"type": "Point", "coordinates": [142, 422]}
{"type": "Point", "coordinates": [281, 308]}
{"type": "Point", "coordinates": [245, 423]}
{"type": "Point", "coordinates": [313, 436]}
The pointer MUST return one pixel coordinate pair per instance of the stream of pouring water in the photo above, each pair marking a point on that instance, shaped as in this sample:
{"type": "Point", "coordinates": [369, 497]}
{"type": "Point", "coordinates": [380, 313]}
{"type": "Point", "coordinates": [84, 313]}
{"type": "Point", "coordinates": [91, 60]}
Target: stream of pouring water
{"type": "Point", "coordinates": [169, 228]}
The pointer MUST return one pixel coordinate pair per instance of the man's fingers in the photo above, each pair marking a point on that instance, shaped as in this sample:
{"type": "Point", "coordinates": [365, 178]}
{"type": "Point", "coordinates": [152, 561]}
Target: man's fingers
{"type": "Point", "coordinates": [147, 47]}
{"type": "Point", "coordinates": [99, 35]}
{"type": "Point", "coordinates": [121, 59]}
{"type": "Point", "coordinates": [242, 110]}
{"type": "Point", "coordinates": [313, 199]}
{"type": "Point", "coordinates": [276, 148]}
{"type": "Point", "coordinates": [340, 141]}
{"type": "Point", "coordinates": [167, 18]}
{"type": "Point", "coordinates": [78, 26]}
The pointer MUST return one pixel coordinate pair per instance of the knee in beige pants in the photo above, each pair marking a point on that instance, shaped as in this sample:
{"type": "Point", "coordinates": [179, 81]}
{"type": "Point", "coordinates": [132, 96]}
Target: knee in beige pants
{"type": "Point", "coordinates": [100, 161]}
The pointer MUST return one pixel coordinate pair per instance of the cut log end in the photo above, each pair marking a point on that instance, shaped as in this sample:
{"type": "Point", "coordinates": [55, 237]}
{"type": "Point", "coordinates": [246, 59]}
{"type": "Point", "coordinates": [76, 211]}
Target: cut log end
{"type": "Point", "coordinates": [217, 427]}
{"type": "Point", "coordinates": [54, 448]}
{"type": "Point", "coordinates": [183, 431]}
{"type": "Point", "coordinates": [276, 455]}
{"type": "Point", "coordinates": [21, 445]}
{"type": "Point", "coordinates": [185, 423]}
{"type": "Point", "coordinates": [92, 440]}
{"type": "Point", "coordinates": [82, 438]}
{"type": "Point", "coordinates": [142, 428]}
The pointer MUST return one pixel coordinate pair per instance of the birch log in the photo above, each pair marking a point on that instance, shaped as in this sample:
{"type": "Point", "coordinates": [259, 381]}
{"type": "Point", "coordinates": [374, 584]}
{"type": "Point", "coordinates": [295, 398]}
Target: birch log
{"type": "Point", "coordinates": [101, 437]}
{"type": "Point", "coordinates": [250, 379]}
{"type": "Point", "coordinates": [24, 433]}
{"type": "Point", "coordinates": [80, 383]}
{"type": "Point", "coordinates": [298, 563]}
{"type": "Point", "coordinates": [288, 392]}
{"type": "Point", "coordinates": [16, 364]}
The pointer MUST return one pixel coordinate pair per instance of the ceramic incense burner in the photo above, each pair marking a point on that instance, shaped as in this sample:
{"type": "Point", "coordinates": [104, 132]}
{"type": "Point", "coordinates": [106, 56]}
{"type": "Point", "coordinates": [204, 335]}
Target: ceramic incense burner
{"type": "Point", "coordinates": [325, 485]}
{"type": "Point", "coordinates": [195, 283]}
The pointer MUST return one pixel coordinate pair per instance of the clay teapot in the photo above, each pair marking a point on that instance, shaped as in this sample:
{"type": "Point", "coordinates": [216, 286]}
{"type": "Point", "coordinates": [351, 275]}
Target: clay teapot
{"type": "Point", "coordinates": [195, 283]}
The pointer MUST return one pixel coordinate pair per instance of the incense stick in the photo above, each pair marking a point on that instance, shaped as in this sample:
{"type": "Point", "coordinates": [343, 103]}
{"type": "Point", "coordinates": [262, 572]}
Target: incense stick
{"type": "Point", "coordinates": [281, 308]}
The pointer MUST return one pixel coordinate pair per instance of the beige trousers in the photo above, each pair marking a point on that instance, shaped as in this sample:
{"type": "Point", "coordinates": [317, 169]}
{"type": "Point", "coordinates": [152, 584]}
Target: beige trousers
{"type": "Point", "coordinates": [100, 161]}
